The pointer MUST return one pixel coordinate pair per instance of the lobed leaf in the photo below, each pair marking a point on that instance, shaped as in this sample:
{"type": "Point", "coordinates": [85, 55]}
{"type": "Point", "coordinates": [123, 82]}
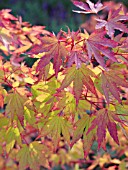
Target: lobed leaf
{"type": "Point", "coordinates": [81, 128]}
{"type": "Point", "coordinates": [15, 105]}
{"type": "Point", "coordinates": [33, 155]}
{"type": "Point", "coordinates": [105, 119]}
{"type": "Point", "coordinates": [113, 22]}
{"type": "Point", "coordinates": [109, 82]}
{"type": "Point", "coordinates": [54, 126]}
{"type": "Point", "coordinates": [80, 78]}
{"type": "Point", "coordinates": [55, 50]}
{"type": "Point", "coordinates": [88, 7]}
{"type": "Point", "coordinates": [97, 45]}
{"type": "Point", "coordinates": [12, 136]}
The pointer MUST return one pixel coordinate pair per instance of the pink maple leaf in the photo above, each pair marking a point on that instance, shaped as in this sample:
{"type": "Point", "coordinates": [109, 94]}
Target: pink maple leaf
{"type": "Point", "coordinates": [88, 7]}
{"type": "Point", "coordinates": [97, 45]}
{"type": "Point", "coordinates": [113, 23]}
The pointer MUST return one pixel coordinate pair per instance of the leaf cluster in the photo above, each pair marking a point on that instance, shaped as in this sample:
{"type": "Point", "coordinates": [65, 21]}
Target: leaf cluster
{"type": "Point", "coordinates": [64, 98]}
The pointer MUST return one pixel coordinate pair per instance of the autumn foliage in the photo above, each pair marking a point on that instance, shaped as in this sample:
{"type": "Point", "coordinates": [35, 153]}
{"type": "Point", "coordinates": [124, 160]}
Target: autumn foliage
{"type": "Point", "coordinates": [74, 94]}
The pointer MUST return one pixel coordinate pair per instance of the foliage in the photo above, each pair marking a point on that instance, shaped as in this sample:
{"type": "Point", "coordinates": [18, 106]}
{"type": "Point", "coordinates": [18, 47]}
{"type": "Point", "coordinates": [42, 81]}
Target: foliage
{"type": "Point", "coordinates": [53, 14]}
{"type": "Point", "coordinates": [72, 97]}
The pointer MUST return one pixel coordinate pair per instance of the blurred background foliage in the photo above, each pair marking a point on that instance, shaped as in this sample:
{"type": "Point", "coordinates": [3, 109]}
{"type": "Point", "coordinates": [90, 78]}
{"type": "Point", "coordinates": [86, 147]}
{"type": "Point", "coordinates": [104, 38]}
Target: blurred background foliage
{"type": "Point", "coordinates": [54, 14]}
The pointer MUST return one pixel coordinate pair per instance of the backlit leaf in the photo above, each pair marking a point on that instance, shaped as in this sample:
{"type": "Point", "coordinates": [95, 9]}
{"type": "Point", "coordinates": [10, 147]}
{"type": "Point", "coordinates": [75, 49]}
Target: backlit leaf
{"type": "Point", "coordinates": [97, 44]}
{"type": "Point", "coordinates": [54, 126]}
{"type": "Point", "coordinates": [15, 104]}
{"type": "Point", "coordinates": [82, 127]}
{"type": "Point", "coordinates": [55, 49]}
{"type": "Point", "coordinates": [113, 22]}
{"type": "Point", "coordinates": [104, 120]}
{"type": "Point", "coordinates": [110, 82]}
{"type": "Point", "coordinates": [12, 136]}
{"type": "Point", "coordinates": [88, 7]}
{"type": "Point", "coordinates": [33, 155]}
{"type": "Point", "coordinates": [80, 77]}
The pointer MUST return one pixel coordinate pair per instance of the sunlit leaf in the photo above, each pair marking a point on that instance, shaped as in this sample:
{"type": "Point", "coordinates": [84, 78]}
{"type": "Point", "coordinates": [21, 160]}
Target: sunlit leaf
{"type": "Point", "coordinates": [12, 136]}
{"type": "Point", "coordinates": [54, 126]}
{"type": "Point", "coordinates": [80, 77]}
{"type": "Point", "coordinates": [15, 104]}
{"type": "Point", "coordinates": [33, 155]}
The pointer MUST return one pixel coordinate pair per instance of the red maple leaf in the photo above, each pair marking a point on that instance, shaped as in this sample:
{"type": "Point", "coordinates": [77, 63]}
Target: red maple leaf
{"type": "Point", "coordinates": [55, 49]}
{"type": "Point", "coordinates": [88, 7]}
{"type": "Point", "coordinates": [110, 82]}
{"type": "Point", "coordinates": [6, 17]}
{"type": "Point", "coordinates": [77, 57]}
{"type": "Point", "coordinates": [105, 119]}
{"type": "Point", "coordinates": [97, 45]}
{"type": "Point", "coordinates": [113, 22]}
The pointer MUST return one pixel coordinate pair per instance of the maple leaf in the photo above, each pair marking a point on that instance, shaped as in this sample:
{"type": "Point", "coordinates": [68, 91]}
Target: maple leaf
{"type": "Point", "coordinates": [113, 23]}
{"type": "Point", "coordinates": [81, 128]}
{"type": "Point", "coordinates": [80, 78]}
{"type": "Point", "coordinates": [29, 116]}
{"type": "Point", "coordinates": [12, 136]}
{"type": "Point", "coordinates": [76, 57]}
{"type": "Point", "coordinates": [55, 49]}
{"type": "Point", "coordinates": [5, 13]}
{"type": "Point", "coordinates": [15, 104]}
{"type": "Point", "coordinates": [33, 155]}
{"type": "Point", "coordinates": [67, 103]}
{"type": "Point", "coordinates": [54, 126]}
{"type": "Point", "coordinates": [110, 81]}
{"type": "Point", "coordinates": [88, 7]}
{"type": "Point", "coordinates": [97, 44]}
{"type": "Point", "coordinates": [5, 17]}
{"type": "Point", "coordinates": [44, 95]}
{"type": "Point", "coordinates": [105, 119]}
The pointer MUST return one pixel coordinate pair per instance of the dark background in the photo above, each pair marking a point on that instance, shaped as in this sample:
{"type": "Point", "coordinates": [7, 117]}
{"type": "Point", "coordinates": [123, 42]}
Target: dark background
{"type": "Point", "coordinates": [54, 14]}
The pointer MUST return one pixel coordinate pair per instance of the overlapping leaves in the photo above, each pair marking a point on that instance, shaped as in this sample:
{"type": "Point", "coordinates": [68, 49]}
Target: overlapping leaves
{"type": "Point", "coordinates": [55, 49]}
{"type": "Point", "coordinates": [54, 126]}
{"type": "Point", "coordinates": [113, 22]}
{"type": "Point", "coordinates": [88, 7]}
{"type": "Point", "coordinates": [109, 82]}
{"type": "Point", "coordinates": [105, 119]}
{"type": "Point", "coordinates": [81, 129]}
{"type": "Point", "coordinates": [80, 77]}
{"type": "Point", "coordinates": [15, 104]}
{"type": "Point", "coordinates": [33, 155]}
{"type": "Point", "coordinates": [99, 46]}
{"type": "Point", "coordinates": [63, 100]}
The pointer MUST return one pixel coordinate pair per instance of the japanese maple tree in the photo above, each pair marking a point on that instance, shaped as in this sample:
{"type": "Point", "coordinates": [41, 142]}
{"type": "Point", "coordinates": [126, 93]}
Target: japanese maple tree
{"type": "Point", "coordinates": [63, 98]}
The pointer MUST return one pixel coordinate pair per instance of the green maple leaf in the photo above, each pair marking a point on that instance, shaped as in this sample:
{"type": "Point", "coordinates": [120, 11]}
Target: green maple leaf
{"type": "Point", "coordinates": [122, 109]}
{"type": "Point", "coordinates": [80, 77]}
{"type": "Point", "coordinates": [12, 136]}
{"type": "Point", "coordinates": [43, 94]}
{"type": "Point", "coordinates": [29, 116]}
{"type": "Point", "coordinates": [33, 155]}
{"type": "Point", "coordinates": [15, 104]}
{"type": "Point", "coordinates": [3, 121]}
{"type": "Point", "coordinates": [67, 103]}
{"type": "Point", "coordinates": [54, 126]}
{"type": "Point", "coordinates": [81, 128]}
